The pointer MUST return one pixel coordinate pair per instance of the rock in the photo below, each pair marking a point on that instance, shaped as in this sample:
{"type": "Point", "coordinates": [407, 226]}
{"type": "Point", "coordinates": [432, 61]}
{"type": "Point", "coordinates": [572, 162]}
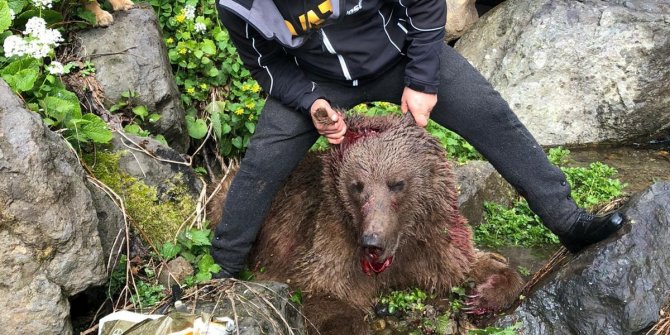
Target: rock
{"type": "Point", "coordinates": [461, 15]}
{"type": "Point", "coordinates": [178, 268]}
{"type": "Point", "coordinates": [260, 307]}
{"type": "Point", "coordinates": [130, 56]}
{"type": "Point", "coordinates": [111, 226]}
{"type": "Point", "coordinates": [578, 72]}
{"type": "Point", "coordinates": [479, 182]}
{"type": "Point", "coordinates": [154, 171]}
{"type": "Point", "coordinates": [49, 244]}
{"type": "Point", "coordinates": [614, 287]}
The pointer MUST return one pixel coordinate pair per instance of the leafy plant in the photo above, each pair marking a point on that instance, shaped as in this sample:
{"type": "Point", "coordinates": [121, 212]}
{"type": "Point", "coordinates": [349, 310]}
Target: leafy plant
{"type": "Point", "coordinates": [210, 74]}
{"type": "Point", "coordinates": [518, 225]}
{"type": "Point", "coordinates": [194, 245]}
{"type": "Point", "coordinates": [147, 294]}
{"type": "Point", "coordinates": [23, 68]}
{"type": "Point", "coordinates": [404, 301]}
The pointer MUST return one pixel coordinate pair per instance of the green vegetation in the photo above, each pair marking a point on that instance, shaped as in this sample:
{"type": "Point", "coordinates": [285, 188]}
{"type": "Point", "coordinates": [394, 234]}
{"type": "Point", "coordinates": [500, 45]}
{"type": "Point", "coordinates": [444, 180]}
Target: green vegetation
{"type": "Point", "coordinates": [404, 301]}
{"type": "Point", "coordinates": [193, 245]}
{"type": "Point", "coordinates": [518, 225]}
{"type": "Point", "coordinates": [216, 89]}
{"type": "Point", "coordinates": [28, 65]}
{"type": "Point", "coordinates": [160, 217]}
{"type": "Point", "coordinates": [511, 330]}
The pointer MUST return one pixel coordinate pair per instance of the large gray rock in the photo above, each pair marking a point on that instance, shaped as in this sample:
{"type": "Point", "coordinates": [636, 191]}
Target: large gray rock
{"type": "Point", "coordinates": [130, 56]}
{"type": "Point", "coordinates": [461, 15]}
{"type": "Point", "coordinates": [479, 182]}
{"type": "Point", "coordinates": [49, 245]}
{"type": "Point", "coordinates": [615, 287]}
{"type": "Point", "coordinates": [578, 71]}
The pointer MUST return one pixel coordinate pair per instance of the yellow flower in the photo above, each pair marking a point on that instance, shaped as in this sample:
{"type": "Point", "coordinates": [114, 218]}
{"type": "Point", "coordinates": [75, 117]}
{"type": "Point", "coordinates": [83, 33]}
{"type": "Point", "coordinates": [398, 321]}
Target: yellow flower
{"type": "Point", "coordinates": [169, 40]}
{"type": "Point", "coordinates": [183, 51]}
{"type": "Point", "coordinates": [251, 117]}
{"type": "Point", "coordinates": [180, 18]}
{"type": "Point", "coordinates": [203, 86]}
{"type": "Point", "coordinates": [255, 88]}
{"type": "Point", "coordinates": [246, 87]}
{"type": "Point", "coordinates": [190, 90]}
{"type": "Point", "coordinates": [239, 111]}
{"type": "Point", "coordinates": [250, 104]}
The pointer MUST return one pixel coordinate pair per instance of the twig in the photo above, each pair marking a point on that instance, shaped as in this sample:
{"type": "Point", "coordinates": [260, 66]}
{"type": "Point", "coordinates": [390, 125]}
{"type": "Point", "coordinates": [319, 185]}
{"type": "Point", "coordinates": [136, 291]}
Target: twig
{"type": "Point", "coordinates": [109, 53]}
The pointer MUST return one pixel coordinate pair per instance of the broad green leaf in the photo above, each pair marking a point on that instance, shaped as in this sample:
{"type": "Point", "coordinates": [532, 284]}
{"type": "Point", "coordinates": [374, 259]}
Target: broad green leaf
{"type": "Point", "coordinates": [141, 111]}
{"type": "Point", "coordinates": [59, 109]}
{"type": "Point", "coordinates": [216, 107]}
{"type": "Point", "coordinates": [251, 127]}
{"type": "Point", "coordinates": [17, 5]}
{"type": "Point", "coordinates": [169, 250]}
{"type": "Point", "coordinates": [213, 72]}
{"type": "Point", "coordinates": [237, 142]}
{"type": "Point", "coordinates": [205, 263]}
{"type": "Point", "coordinates": [226, 129]}
{"type": "Point", "coordinates": [5, 16]}
{"type": "Point", "coordinates": [153, 117]}
{"type": "Point", "coordinates": [200, 237]}
{"type": "Point", "coordinates": [23, 80]}
{"type": "Point", "coordinates": [96, 129]}
{"type": "Point", "coordinates": [197, 128]}
{"type": "Point", "coordinates": [216, 124]}
{"type": "Point", "coordinates": [208, 47]}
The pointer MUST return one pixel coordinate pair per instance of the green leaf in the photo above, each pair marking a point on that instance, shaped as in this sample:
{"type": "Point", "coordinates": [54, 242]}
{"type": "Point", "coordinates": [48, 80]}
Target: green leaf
{"type": "Point", "coordinates": [199, 237]}
{"type": "Point", "coordinates": [251, 127]}
{"type": "Point", "coordinates": [141, 111]}
{"type": "Point", "coordinates": [21, 74]}
{"type": "Point", "coordinates": [59, 109]}
{"type": "Point", "coordinates": [17, 5]}
{"type": "Point", "coordinates": [197, 128]}
{"type": "Point", "coordinates": [216, 124]}
{"type": "Point", "coordinates": [198, 54]}
{"type": "Point", "coordinates": [96, 129]}
{"type": "Point", "coordinates": [208, 47]}
{"type": "Point", "coordinates": [237, 142]}
{"type": "Point", "coordinates": [213, 72]}
{"type": "Point", "coordinates": [169, 251]}
{"type": "Point", "coordinates": [226, 129]}
{"type": "Point", "coordinates": [161, 139]}
{"type": "Point", "coordinates": [153, 117]}
{"type": "Point", "coordinates": [5, 16]}
{"type": "Point", "coordinates": [205, 263]}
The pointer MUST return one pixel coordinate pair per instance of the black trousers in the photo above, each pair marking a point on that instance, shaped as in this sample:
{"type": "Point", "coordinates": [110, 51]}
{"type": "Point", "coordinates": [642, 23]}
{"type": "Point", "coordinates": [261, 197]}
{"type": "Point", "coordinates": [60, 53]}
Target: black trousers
{"type": "Point", "coordinates": [467, 104]}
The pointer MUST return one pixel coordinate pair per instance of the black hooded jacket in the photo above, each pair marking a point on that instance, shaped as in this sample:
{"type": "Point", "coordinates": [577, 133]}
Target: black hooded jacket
{"type": "Point", "coordinates": [347, 41]}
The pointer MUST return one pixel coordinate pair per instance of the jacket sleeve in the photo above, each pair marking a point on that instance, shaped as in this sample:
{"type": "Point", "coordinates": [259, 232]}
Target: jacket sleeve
{"type": "Point", "coordinates": [426, 20]}
{"type": "Point", "coordinates": [274, 70]}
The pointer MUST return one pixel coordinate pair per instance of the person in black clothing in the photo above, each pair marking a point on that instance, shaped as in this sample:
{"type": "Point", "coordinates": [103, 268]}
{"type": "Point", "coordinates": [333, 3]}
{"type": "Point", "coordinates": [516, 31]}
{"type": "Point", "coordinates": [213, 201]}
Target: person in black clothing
{"type": "Point", "coordinates": [319, 54]}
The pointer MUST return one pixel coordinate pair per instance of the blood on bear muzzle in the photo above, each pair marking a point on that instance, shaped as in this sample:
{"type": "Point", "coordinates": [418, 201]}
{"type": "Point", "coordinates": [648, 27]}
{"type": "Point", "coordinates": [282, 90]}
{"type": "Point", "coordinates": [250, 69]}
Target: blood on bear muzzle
{"type": "Point", "coordinates": [370, 262]}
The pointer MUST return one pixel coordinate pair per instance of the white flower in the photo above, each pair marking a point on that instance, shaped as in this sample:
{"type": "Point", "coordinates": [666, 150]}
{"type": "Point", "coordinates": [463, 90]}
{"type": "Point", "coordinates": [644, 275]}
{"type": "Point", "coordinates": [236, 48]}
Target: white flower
{"type": "Point", "coordinates": [35, 26]}
{"type": "Point", "coordinates": [42, 4]}
{"type": "Point", "coordinates": [200, 27]}
{"type": "Point", "coordinates": [38, 50]}
{"type": "Point", "coordinates": [189, 12]}
{"type": "Point", "coordinates": [56, 68]}
{"type": "Point", "coordinates": [14, 46]}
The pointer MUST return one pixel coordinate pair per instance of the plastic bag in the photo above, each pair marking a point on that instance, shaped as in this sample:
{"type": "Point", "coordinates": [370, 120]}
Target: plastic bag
{"type": "Point", "coordinates": [129, 323]}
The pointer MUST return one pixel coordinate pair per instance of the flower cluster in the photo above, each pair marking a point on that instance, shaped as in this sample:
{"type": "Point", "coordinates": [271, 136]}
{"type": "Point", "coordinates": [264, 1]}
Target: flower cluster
{"type": "Point", "coordinates": [56, 68]}
{"type": "Point", "coordinates": [38, 42]}
{"type": "Point", "coordinates": [200, 27]}
{"type": "Point", "coordinates": [42, 4]}
{"type": "Point", "coordinates": [189, 12]}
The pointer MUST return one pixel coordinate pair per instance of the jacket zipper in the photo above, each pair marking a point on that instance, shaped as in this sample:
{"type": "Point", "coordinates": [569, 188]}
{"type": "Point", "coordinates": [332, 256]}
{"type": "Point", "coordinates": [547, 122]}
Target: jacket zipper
{"type": "Point", "coordinates": [331, 50]}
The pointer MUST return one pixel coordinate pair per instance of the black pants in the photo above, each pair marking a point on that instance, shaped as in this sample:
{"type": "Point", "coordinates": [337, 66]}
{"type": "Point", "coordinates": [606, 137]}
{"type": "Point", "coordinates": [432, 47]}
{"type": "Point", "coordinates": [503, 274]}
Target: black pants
{"type": "Point", "coordinates": [467, 104]}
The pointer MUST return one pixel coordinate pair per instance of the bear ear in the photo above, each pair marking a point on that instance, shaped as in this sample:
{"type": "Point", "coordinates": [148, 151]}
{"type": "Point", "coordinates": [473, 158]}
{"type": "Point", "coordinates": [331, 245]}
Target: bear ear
{"type": "Point", "coordinates": [408, 120]}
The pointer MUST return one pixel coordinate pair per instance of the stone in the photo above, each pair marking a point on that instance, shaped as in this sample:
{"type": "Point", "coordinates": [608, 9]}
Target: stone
{"type": "Point", "coordinates": [578, 72]}
{"type": "Point", "coordinates": [49, 244]}
{"type": "Point", "coordinates": [461, 15]}
{"type": "Point", "coordinates": [130, 56]}
{"type": "Point", "coordinates": [617, 286]}
{"type": "Point", "coordinates": [479, 182]}
{"type": "Point", "coordinates": [176, 269]}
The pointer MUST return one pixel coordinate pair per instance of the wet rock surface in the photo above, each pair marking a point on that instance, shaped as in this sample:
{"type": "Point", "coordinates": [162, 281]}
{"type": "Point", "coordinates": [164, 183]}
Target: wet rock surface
{"type": "Point", "coordinates": [130, 56]}
{"type": "Point", "coordinates": [49, 244]}
{"type": "Point", "coordinates": [578, 72]}
{"type": "Point", "coordinates": [478, 182]}
{"type": "Point", "coordinates": [614, 287]}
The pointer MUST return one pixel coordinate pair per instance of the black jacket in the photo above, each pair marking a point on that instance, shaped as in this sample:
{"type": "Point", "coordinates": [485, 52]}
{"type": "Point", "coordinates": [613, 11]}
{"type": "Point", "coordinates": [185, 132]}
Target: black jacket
{"type": "Point", "coordinates": [350, 41]}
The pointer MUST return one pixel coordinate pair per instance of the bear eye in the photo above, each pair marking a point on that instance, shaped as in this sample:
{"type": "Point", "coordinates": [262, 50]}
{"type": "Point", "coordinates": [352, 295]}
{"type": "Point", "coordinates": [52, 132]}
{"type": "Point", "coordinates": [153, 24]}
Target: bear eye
{"type": "Point", "coordinates": [396, 186]}
{"type": "Point", "coordinates": [357, 187]}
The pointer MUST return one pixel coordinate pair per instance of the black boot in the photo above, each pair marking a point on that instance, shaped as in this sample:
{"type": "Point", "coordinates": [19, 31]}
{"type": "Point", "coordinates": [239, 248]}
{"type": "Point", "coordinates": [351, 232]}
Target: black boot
{"type": "Point", "coordinates": [590, 229]}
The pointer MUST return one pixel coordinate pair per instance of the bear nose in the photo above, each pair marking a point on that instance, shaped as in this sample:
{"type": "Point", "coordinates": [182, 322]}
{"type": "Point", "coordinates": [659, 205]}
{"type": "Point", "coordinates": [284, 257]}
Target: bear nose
{"type": "Point", "coordinates": [371, 241]}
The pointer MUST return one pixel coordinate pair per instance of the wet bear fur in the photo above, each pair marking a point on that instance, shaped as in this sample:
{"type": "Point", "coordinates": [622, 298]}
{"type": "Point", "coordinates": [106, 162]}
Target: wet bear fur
{"type": "Point", "coordinates": [387, 192]}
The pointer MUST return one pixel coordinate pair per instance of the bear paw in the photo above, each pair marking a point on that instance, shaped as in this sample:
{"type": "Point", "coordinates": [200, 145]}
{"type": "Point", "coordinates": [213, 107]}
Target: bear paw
{"type": "Point", "coordinates": [103, 18]}
{"type": "Point", "coordinates": [122, 5]}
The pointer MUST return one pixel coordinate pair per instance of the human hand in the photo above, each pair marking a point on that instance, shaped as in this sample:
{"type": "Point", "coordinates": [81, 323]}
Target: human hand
{"type": "Point", "coordinates": [419, 104]}
{"type": "Point", "coordinates": [327, 121]}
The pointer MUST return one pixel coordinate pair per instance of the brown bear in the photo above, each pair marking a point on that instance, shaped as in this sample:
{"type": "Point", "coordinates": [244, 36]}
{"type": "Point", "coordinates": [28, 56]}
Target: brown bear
{"type": "Point", "coordinates": [375, 213]}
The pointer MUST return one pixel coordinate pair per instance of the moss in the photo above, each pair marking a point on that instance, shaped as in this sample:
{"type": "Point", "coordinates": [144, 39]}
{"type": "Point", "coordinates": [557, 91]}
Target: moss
{"type": "Point", "coordinates": [159, 216]}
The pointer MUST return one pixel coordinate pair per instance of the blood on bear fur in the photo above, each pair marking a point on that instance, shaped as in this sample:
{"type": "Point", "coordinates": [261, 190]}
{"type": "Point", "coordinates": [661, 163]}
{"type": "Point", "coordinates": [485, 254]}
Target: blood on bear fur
{"type": "Point", "coordinates": [375, 213]}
